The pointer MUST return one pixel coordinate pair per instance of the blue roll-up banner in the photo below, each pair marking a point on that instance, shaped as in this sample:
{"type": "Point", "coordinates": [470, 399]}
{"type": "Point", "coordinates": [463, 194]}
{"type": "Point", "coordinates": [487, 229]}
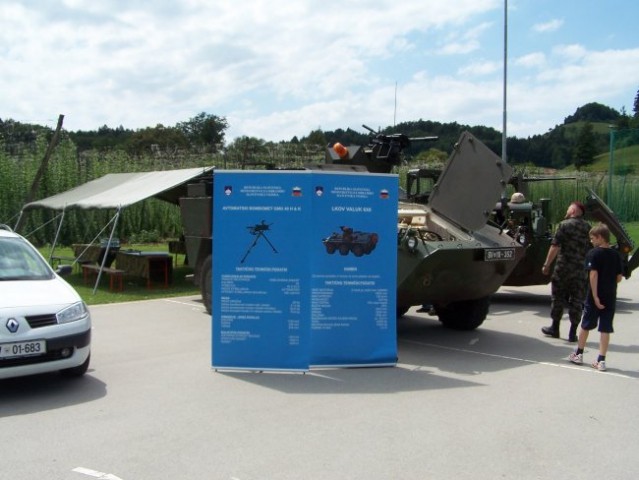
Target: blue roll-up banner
{"type": "Point", "coordinates": [260, 270]}
{"type": "Point", "coordinates": [354, 270]}
{"type": "Point", "coordinates": [304, 269]}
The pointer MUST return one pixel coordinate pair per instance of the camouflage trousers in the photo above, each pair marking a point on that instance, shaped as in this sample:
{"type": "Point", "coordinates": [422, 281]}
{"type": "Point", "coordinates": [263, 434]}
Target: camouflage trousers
{"type": "Point", "coordinates": [568, 293]}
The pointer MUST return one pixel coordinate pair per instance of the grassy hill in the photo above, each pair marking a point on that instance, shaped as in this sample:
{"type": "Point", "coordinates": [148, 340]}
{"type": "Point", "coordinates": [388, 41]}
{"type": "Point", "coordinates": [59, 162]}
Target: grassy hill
{"type": "Point", "coordinates": [626, 162]}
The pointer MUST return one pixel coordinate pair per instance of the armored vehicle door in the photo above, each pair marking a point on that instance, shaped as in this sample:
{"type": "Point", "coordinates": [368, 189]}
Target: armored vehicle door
{"type": "Point", "coordinates": [470, 185]}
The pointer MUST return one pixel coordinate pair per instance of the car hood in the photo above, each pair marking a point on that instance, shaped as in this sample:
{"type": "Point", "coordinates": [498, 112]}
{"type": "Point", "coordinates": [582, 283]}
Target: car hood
{"type": "Point", "coordinates": [36, 293]}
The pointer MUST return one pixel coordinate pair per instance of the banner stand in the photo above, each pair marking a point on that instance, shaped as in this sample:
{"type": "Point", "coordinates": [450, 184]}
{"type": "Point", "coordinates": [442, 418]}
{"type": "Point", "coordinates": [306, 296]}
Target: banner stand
{"type": "Point", "coordinates": [304, 270]}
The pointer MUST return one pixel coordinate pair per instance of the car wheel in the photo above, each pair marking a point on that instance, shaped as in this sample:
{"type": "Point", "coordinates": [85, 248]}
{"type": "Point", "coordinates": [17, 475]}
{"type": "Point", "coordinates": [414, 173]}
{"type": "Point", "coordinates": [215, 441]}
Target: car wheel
{"type": "Point", "coordinates": [76, 371]}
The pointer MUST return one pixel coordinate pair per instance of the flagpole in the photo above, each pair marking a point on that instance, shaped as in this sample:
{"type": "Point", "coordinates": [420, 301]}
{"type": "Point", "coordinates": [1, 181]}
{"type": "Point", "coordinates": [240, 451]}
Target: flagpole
{"type": "Point", "coordinates": [504, 155]}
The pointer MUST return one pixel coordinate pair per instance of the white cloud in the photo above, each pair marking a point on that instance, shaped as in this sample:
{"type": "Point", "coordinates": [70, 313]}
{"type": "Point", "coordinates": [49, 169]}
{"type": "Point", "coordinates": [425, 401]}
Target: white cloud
{"type": "Point", "coordinates": [550, 26]}
{"type": "Point", "coordinates": [480, 69]}
{"type": "Point", "coordinates": [278, 69]}
{"type": "Point", "coordinates": [531, 60]}
{"type": "Point", "coordinates": [570, 52]}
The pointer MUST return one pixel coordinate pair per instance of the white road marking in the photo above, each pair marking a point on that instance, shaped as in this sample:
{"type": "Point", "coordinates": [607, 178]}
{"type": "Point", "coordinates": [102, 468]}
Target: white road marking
{"type": "Point", "coordinates": [95, 473]}
{"type": "Point", "coordinates": [188, 304]}
{"type": "Point", "coordinates": [524, 360]}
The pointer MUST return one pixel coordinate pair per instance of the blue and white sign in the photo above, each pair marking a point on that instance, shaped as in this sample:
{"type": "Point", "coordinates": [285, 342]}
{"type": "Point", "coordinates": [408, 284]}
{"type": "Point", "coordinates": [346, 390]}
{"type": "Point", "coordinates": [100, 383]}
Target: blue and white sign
{"type": "Point", "coordinates": [354, 270]}
{"type": "Point", "coordinates": [304, 269]}
{"type": "Point", "coordinates": [260, 270]}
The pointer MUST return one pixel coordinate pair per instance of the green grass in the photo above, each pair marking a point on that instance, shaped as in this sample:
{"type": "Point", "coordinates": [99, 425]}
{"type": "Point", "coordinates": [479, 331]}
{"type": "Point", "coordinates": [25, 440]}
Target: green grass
{"type": "Point", "coordinates": [633, 231]}
{"type": "Point", "coordinates": [135, 289]}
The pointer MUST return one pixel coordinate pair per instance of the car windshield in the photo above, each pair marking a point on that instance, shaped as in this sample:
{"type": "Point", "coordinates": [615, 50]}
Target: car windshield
{"type": "Point", "coordinates": [19, 261]}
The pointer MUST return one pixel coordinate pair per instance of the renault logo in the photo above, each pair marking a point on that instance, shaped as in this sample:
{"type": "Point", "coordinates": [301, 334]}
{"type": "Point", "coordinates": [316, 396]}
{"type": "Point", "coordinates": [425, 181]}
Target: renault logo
{"type": "Point", "coordinates": [12, 325]}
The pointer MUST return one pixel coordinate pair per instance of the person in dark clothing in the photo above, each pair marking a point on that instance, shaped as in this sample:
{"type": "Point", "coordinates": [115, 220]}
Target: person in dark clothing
{"type": "Point", "coordinates": [605, 270]}
{"type": "Point", "coordinates": [568, 282]}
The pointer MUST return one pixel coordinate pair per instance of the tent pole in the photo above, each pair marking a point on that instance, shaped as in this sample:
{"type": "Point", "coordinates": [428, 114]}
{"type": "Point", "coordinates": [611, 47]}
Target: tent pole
{"type": "Point", "coordinates": [108, 247]}
{"type": "Point", "coordinates": [17, 224]}
{"type": "Point", "coordinates": [57, 235]}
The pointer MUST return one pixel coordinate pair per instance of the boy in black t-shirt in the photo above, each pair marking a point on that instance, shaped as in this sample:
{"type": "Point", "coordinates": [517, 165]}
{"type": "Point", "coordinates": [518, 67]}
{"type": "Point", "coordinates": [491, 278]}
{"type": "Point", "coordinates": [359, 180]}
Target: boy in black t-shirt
{"type": "Point", "coordinates": [604, 273]}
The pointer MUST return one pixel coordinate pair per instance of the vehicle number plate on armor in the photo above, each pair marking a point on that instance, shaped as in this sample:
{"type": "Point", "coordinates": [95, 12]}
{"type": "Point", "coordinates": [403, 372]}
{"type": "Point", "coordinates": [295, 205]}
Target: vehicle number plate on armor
{"type": "Point", "coordinates": [23, 349]}
{"type": "Point", "coordinates": [498, 254]}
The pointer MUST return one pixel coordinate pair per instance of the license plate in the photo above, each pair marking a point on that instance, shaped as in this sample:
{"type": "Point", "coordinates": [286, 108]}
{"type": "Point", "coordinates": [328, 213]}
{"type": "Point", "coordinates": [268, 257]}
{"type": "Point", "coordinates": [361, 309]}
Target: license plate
{"type": "Point", "coordinates": [499, 254]}
{"type": "Point", "coordinates": [23, 349]}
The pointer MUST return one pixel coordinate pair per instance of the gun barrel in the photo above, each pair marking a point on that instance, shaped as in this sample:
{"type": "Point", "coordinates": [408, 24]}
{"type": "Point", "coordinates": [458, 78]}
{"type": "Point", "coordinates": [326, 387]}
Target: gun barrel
{"type": "Point", "coordinates": [423, 139]}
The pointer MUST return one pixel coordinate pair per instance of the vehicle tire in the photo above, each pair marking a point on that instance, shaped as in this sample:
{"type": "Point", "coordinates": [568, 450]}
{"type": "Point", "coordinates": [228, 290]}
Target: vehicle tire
{"type": "Point", "coordinates": [343, 249]}
{"type": "Point", "coordinates": [330, 248]}
{"type": "Point", "coordinates": [205, 284]}
{"type": "Point", "coordinates": [463, 315]}
{"type": "Point", "coordinates": [357, 250]}
{"type": "Point", "coordinates": [77, 371]}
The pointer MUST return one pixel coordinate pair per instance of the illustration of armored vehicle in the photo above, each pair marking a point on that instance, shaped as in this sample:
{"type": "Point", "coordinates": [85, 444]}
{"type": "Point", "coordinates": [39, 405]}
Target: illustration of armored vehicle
{"type": "Point", "coordinates": [349, 240]}
{"type": "Point", "coordinates": [449, 255]}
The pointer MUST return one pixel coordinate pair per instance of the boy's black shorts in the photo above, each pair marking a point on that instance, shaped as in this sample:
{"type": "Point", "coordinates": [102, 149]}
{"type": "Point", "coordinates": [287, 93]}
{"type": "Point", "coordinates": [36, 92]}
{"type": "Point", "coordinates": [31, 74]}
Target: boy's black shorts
{"type": "Point", "coordinates": [593, 316]}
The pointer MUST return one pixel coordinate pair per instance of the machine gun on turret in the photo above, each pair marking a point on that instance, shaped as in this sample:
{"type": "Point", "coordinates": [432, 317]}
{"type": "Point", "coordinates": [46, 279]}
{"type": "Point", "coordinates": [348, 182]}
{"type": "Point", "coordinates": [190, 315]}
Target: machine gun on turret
{"type": "Point", "coordinates": [380, 155]}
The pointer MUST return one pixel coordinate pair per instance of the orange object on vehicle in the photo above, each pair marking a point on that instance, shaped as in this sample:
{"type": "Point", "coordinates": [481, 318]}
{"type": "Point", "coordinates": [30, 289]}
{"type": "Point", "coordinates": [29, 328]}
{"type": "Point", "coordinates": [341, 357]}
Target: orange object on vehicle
{"type": "Point", "coordinates": [340, 149]}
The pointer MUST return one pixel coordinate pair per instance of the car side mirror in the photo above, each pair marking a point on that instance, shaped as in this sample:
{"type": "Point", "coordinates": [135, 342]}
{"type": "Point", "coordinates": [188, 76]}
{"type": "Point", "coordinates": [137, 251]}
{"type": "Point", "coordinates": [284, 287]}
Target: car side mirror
{"type": "Point", "coordinates": [64, 270]}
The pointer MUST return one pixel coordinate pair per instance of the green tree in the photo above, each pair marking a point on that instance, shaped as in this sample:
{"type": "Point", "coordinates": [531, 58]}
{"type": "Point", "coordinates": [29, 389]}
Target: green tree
{"type": "Point", "coordinates": [593, 112]}
{"type": "Point", "coordinates": [246, 150]}
{"type": "Point", "coordinates": [156, 139]}
{"type": "Point", "coordinates": [204, 131]}
{"type": "Point", "coordinates": [585, 149]}
{"type": "Point", "coordinates": [316, 137]}
{"type": "Point", "coordinates": [623, 121]}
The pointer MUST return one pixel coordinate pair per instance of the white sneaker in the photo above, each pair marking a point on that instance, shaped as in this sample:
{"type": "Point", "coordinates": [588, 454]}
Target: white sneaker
{"type": "Point", "coordinates": [576, 358]}
{"type": "Point", "coordinates": [599, 365]}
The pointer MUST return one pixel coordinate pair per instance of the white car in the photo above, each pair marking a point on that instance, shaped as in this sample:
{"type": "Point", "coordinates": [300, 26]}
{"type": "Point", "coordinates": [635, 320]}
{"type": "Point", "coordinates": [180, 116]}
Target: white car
{"type": "Point", "coordinates": [44, 324]}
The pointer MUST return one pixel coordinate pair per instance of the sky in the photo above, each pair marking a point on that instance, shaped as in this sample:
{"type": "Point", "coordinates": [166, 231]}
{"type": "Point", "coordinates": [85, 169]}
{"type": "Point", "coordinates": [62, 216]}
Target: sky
{"type": "Point", "coordinates": [276, 69]}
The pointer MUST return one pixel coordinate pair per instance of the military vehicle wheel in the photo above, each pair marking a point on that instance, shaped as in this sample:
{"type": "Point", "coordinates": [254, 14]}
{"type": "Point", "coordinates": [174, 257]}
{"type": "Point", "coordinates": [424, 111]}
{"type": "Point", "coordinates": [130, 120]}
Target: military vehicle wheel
{"type": "Point", "coordinates": [343, 249]}
{"type": "Point", "coordinates": [357, 250]}
{"type": "Point", "coordinates": [205, 283]}
{"type": "Point", "coordinates": [463, 315]}
{"type": "Point", "coordinates": [330, 248]}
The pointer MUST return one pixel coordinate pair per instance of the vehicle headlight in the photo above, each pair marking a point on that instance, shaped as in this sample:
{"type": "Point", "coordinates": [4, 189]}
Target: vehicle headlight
{"type": "Point", "coordinates": [73, 313]}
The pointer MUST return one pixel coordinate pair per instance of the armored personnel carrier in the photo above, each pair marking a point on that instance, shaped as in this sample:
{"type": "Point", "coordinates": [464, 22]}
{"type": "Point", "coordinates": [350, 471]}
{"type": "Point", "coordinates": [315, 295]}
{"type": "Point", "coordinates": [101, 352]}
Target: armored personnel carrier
{"type": "Point", "coordinates": [349, 240]}
{"type": "Point", "coordinates": [449, 256]}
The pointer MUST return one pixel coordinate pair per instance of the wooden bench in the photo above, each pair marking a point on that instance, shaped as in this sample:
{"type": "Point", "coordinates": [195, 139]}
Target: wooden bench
{"type": "Point", "coordinates": [57, 260]}
{"type": "Point", "coordinates": [115, 275]}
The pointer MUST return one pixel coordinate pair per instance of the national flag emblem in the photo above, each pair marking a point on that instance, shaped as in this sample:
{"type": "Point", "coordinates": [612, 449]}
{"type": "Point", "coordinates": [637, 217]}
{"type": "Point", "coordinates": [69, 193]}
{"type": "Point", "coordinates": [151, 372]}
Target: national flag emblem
{"type": "Point", "coordinates": [228, 190]}
{"type": "Point", "coordinates": [297, 192]}
{"type": "Point", "coordinates": [383, 193]}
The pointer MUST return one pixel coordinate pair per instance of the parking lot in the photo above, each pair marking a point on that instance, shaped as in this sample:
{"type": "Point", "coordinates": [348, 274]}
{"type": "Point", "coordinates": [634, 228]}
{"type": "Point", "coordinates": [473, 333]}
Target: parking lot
{"type": "Point", "coordinates": [498, 402]}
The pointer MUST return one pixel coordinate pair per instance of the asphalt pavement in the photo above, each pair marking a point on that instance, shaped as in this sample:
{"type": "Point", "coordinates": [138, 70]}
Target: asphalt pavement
{"type": "Point", "coordinates": [498, 402]}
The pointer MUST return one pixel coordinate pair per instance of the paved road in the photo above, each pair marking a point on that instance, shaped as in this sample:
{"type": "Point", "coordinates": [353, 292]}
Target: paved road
{"type": "Point", "coordinates": [499, 402]}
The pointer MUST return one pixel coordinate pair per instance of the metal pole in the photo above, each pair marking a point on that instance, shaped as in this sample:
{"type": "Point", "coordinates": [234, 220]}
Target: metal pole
{"type": "Point", "coordinates": [611, 165]}
{"type": "Point", "coordinates": [504, 155]}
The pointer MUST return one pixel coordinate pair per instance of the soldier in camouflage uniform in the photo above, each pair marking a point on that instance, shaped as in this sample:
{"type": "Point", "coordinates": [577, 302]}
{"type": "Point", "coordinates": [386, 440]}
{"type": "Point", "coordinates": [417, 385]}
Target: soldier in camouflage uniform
{"type": "Point", "coordinates": [568, 282]}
